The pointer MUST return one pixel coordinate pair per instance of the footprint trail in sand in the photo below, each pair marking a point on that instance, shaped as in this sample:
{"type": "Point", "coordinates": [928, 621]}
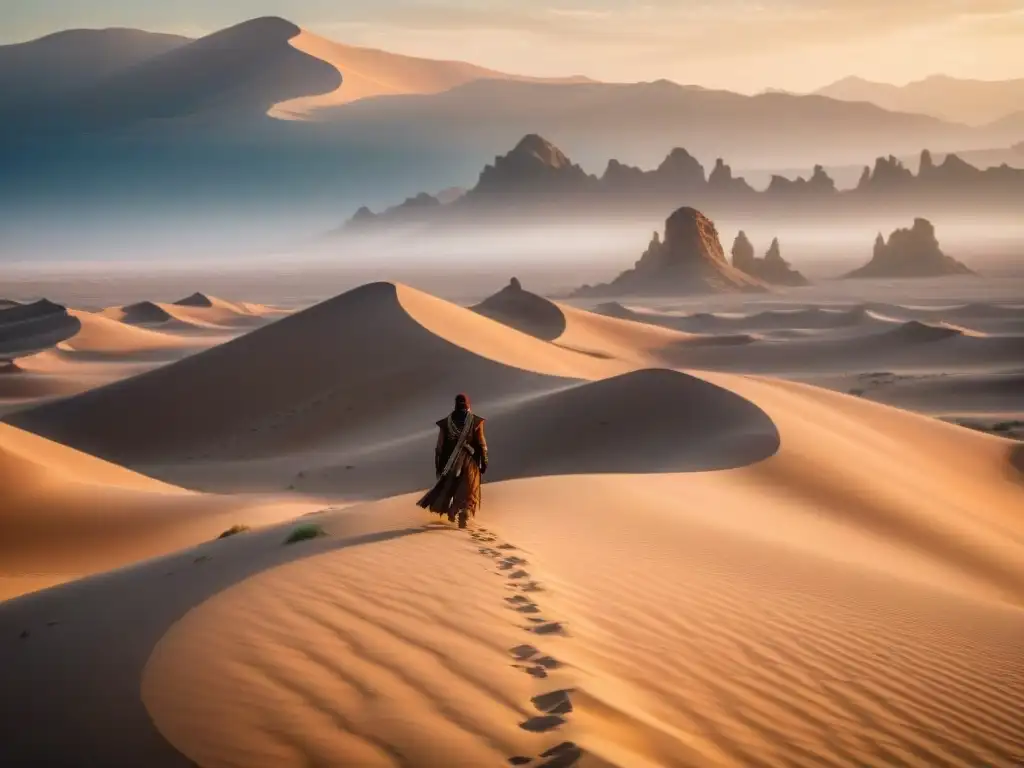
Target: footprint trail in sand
{"type": "Point", "coordinates": [553, 706]}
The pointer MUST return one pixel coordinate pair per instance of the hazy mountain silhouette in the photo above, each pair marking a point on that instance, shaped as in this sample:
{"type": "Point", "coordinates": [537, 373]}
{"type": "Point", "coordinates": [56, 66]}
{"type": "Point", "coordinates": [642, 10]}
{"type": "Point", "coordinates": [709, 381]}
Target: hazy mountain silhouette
{"type": "Point", "coordinates": [771, 268]}
{"type": "Point", "coordinates": [975, 102]}
{"type": "Point", "coordinates": [912, 252]}
{"type": "Point", "coordinates": [646, 119]}
{"type": "Point", "coordinates": [55, 65]}
{"type": "Point", "coordinates": [536, 180]}
{"type": "Point", "coordinates": [174, 128]}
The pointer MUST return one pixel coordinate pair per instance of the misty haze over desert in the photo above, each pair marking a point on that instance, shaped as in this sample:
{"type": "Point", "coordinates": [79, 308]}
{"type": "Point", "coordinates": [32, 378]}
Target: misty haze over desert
{"type": "Point", "coordinates": [709, 316]}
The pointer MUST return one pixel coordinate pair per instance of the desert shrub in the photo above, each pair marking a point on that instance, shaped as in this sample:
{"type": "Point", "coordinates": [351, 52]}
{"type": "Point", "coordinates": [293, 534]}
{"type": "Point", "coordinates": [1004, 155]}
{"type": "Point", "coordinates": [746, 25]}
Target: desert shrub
{"type": "Point", "coordinates": [233, 530]}
{"type": "Point", "coordinates": [304, 532]}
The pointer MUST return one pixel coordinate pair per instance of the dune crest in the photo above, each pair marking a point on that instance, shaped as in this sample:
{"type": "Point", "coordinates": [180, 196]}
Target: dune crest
{"type": "Point", "coordinates": [367, 72]}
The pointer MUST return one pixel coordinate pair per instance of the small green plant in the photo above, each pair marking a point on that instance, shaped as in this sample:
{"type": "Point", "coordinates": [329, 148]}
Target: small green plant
{"type": "Point", "coordinates": [304, 532]}
{"type": "Point", "coordinates": [233, 530]}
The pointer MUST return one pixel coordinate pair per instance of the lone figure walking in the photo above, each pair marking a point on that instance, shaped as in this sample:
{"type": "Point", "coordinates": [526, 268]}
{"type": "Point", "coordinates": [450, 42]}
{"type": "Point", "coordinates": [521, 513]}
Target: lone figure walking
{"type": "Point", "coordinates": [460, 458]}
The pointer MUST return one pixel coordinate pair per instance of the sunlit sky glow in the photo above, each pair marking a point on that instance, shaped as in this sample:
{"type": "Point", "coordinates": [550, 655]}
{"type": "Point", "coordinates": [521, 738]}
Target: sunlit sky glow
{"type": "Point", "coordinates": [743, 45]}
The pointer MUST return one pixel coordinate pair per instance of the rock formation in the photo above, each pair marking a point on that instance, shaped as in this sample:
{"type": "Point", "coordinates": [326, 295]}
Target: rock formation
{"type": "Point", "coordinates": [536, 179]}
{"type": "Point", "coordinates": [722, 182]}
{"type": "Point", "coordinates": [534, 166]}
{"type": "Point", "coordinates": [743, 253]}
{"type": "Point", "coordinates": [910, 252]}
{"type": "Point", "coordinates": [689, 260]}
{"type": "Point", "coordinates": [775, 270]}
{"type": "Point", "coordinates": [772, 269]}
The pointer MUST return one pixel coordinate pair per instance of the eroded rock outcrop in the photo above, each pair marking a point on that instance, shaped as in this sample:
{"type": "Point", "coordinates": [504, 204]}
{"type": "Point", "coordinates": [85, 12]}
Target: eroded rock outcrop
{"type": "Point", "coordinates": [912, 252]}
{"type": "Point", "coordinates": [772, 269]}
{"type": "Point", "coordinates": [535, 166]}
{"type": "Point", "coordinates": [689, 260]}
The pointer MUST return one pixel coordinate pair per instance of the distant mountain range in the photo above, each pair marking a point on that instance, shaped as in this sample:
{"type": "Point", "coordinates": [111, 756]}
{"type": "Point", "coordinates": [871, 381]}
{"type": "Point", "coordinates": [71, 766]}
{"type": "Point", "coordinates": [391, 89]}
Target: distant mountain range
{"type": "Point", "coordinates": [536, 181]}
{"type": "Point", "coordinates": [974, 102]}
{"type": "Point", "coordinates": [84, 82]}
{"type": "Point", "coordinates": [266, 117]}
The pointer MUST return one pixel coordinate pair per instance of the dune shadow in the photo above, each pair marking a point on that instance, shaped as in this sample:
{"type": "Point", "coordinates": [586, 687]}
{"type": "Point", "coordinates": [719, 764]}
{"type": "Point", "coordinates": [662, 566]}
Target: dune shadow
{"type": "Point", "coordinates": [526, 312]}
{"type": "Point", "coordinates": [39, 670]}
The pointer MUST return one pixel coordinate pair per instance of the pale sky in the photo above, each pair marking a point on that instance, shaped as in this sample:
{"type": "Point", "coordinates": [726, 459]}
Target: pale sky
{"type": "Point", "coordinates": [743, 45]}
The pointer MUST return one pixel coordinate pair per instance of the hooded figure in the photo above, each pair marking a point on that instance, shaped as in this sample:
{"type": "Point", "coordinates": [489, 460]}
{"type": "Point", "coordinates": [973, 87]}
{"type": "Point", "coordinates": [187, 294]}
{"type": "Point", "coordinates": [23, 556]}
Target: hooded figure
{"type": "Point", "coordinates": [460, 458]}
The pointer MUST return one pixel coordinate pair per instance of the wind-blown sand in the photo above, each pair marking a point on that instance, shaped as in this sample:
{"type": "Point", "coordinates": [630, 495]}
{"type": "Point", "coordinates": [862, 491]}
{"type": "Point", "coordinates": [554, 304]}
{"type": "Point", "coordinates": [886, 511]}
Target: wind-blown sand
{"type": "Point", "coordinates": [671, 568]}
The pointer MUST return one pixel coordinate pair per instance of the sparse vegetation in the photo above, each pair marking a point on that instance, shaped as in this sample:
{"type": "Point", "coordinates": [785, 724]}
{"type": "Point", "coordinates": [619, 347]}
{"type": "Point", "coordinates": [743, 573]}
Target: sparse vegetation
{"type": "Point", "coordinates": [304, 532]}
{"type": "Point", "coordinates": [233, 530]}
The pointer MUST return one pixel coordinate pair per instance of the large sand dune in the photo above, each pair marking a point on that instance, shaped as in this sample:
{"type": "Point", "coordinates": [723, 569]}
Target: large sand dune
{"type": "Point", "coordinates": [674, 568]}
{"type": "Point", "coordinates": [366, 72]}
{"type": "Point", "coordinates": [66, 514]}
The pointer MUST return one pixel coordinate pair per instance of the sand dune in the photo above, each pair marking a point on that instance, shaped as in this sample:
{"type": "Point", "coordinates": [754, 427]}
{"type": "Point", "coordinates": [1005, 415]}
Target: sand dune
{"type": "Point", "coordinates": [815, 318]}
{"type": "Point", "coordinates": [610, 337]}
{"type": "Point", "coordinates": [29, 328]}
{"type": "Point", "coordinates": [99, 335]}
{"type": "Point", "coordinates": [367, 72]}
{"type": "Point", "coordinates": [194, 312]}
{"type": "Point", "coordinates": [264, 393]}
{"type": "Point", "coordinates": [66, 514]}
{"type": "Point", "coordinates": [674, 568]}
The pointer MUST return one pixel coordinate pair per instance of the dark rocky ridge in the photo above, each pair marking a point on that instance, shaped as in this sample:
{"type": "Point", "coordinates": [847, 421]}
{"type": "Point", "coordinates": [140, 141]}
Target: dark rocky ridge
{"type": "Point", "coordinates": [536, 179]}
{"type": "Point", "coordinates": [912, 252]}
{"type": "Point", "coordinates": [772, 269]}
{"type": "Point", "coordinates": [690, 260]}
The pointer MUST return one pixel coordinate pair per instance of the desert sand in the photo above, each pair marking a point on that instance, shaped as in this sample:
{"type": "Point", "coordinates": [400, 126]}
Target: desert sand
{"type": "Point", "coordinates": [367, 72]}
{"type": "Point", "coordinates": [695, 547]}
{"type": "Point", "coordinates": [115, 343]}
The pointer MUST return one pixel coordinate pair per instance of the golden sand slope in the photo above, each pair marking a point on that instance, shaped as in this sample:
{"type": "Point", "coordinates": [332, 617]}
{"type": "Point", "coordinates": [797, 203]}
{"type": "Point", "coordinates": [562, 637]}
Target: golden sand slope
{"type": "Point", "coordinates": [366, 72]}
{"type": "Point", "coordinates": [315, 377]}
{"type": "Point", "coordinates": [753, 616]}
{"type": "Point", "coordinates": [195, 312]}
{"type": "Point", "coordinates": [101, 335]}
{"type": "Point", "coordinates": [850, 593]}
{"type": "Point", "coordinates": [64, 514]}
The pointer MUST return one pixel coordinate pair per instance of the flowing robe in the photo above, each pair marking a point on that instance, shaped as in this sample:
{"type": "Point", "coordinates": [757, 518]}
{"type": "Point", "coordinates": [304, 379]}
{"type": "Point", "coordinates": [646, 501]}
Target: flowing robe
{"type": "Point", "coordinates": [458, 490]}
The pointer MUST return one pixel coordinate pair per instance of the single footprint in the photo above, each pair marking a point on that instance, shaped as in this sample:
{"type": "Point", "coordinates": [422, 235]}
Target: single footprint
{"type": "Point", "coordinates": [520, 760]}
{"type": "Point", "coordinates": [527, 608]}
{"type": "Point", "coordinates": [519, 600]}
{"type": "Point", "coordinates": [523, 652]}
{"type": "Point", "coordinates": [550, 628]}
{"type": "Point", "coordinates": [562, 756]}
{"type": "Point", "coordinates": [542, 723]}
{"type": "Point", "coordinates": [533, 670]}
{"type": "Point", "coordinates": [506, 546]}
{"type": "Point", "coordinates": [554, 703]}
{"type": "Point", "coordinates": [520, 574]}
